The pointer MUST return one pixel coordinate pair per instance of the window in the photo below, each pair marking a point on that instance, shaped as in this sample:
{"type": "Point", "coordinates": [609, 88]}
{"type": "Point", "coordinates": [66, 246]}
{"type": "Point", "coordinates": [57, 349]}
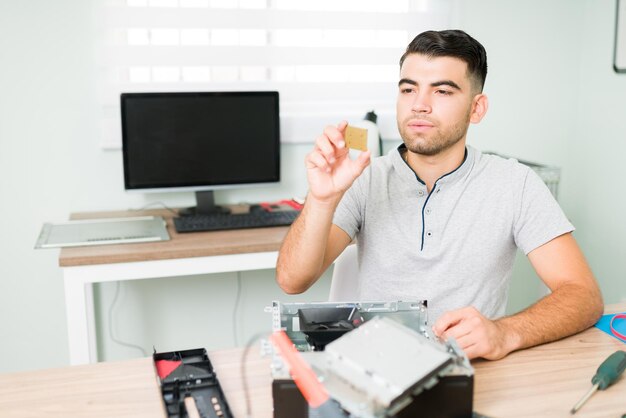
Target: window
{"type": "Point", "coordinates": [329, 59]}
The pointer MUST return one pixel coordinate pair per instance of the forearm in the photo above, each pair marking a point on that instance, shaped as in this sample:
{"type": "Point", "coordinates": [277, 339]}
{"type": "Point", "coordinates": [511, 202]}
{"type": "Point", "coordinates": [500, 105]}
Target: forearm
{"type": "Point", "coordinates": [569, 309]}
{"type": "Point", "coordinates": [301, 256]}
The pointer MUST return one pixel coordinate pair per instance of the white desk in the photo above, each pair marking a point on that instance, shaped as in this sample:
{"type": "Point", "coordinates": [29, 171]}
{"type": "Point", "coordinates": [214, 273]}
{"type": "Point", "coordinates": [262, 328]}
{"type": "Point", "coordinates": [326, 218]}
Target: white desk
{"type": "Point", "coordinates": [184, 254]}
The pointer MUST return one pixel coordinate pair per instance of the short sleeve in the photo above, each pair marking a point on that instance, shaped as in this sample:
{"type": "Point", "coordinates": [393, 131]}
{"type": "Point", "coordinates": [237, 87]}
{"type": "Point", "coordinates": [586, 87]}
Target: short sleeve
{"type": "Point", "coordinates": [539, 219]}
{"type": "Point", "coordinates": [351, 209]}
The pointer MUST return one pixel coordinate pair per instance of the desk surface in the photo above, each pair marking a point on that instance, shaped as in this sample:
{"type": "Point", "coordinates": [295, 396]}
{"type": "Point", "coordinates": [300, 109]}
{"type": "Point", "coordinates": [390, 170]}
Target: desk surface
{"type": "Point", "coordinates": [102, 390]}
{"type": "Point", "coordinates": [544, 381]}
{"type": "Point", "coordinates": [195, 244]}
{"type": "Point", "coordinates": [547, 380]}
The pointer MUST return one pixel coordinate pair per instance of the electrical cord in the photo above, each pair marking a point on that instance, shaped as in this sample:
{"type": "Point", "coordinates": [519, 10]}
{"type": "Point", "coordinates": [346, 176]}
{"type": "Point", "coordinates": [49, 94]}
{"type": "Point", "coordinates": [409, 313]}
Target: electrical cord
{"type": "Point", "coordinates": [111, 334]}
{"type": "Point", "coordinates": [235, 311]}
{"type": "Point", "coordinates": [244, 379]}
{"type": "Point", "coordinates": [157, 203]}
{"type": "Point", "coordinates": [614, 330]}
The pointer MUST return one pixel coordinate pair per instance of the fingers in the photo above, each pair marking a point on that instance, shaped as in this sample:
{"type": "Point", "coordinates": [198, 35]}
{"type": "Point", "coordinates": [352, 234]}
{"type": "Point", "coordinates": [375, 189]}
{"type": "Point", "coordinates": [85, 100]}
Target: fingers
{"type": "Point", "coordinates": [470, 340]}
{"type": "Point", "coordinates": [326, 149]}
{"type": "Point", "coordinates": [450, 319]}
{"type": "Point", "coordinates": [342, 126]}
{"type": "Point", "coordinates": [317, 160]}
{"type": "Point", "coordinates": [324, 155]}
{"type": "Point", "coordinates": [464, 325]}
{"type": "Point", "coordinates": [334, 134]}
{"type": "Point", "coordinates": [459, 330]}
{"type": "Point", "coordinates": [364, 159]}
{"type": "Point", "coordinates": [475, 345]}
{"type": "Point", "coordinates": [475, 334]}
{"type": "Point", "coordinates": [361, 162]}
{"type": "Point", "coordinates": [329, 147]}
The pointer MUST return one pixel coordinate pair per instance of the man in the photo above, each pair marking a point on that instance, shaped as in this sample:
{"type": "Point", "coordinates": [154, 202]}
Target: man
{"type": "Point", "coordinates": [437, 220]}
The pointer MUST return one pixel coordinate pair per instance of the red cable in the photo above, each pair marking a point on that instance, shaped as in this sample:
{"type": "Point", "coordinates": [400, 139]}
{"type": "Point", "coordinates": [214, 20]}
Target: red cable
{"type": "Point", "coordinates": [613, 330]}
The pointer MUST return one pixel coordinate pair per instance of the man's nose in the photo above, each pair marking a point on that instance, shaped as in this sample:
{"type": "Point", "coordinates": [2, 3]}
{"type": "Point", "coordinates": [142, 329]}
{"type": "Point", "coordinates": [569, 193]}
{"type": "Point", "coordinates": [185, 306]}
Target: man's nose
{"type": "Point", "coordinates": [421, 104]}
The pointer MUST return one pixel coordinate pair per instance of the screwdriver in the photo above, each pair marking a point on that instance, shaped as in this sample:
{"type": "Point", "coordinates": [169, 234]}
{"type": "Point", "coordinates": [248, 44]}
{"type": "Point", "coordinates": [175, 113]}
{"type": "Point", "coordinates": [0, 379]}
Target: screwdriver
{"type": "Point", "coordinates": [605, 376]}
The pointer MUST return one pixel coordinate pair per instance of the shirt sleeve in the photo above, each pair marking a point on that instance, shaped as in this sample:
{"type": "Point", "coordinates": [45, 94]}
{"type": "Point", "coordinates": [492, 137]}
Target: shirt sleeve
{"type": "Point", "coordinates": [540, 219]}
{"type": "Point", "coordinates": [351, 209]}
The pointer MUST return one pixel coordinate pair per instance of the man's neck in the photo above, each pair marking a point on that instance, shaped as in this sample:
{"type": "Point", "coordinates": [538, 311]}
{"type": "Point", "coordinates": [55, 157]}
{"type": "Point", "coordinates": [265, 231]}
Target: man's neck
{"type": "Point", "coordinates": [430, 168]}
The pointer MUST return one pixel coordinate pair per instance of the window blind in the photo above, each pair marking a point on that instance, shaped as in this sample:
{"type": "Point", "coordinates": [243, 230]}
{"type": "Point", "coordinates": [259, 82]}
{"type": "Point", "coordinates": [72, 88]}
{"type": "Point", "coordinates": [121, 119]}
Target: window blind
{"type": "Point", "coordinates": [329, 59]}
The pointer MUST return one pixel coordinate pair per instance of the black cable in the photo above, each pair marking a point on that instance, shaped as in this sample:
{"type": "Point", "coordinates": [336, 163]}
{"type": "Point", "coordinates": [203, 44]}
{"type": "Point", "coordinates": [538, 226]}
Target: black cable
{"type": "Point", "coordinates": [113, 338]}
{"type": "Point", "coordinates": [244, 379]}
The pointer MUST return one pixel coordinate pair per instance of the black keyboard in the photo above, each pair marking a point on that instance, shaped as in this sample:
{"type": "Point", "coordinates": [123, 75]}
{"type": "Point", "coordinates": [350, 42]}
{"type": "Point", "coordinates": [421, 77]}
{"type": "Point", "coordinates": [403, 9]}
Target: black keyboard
{"type": "Point", "coordinates": [219, 221]}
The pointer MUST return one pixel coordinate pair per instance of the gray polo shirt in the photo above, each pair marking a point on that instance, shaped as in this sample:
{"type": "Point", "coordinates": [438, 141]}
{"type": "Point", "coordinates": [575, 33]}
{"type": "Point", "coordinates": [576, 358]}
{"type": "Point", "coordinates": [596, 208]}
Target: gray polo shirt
{"type": "Point", "coordinates": [454, 247]}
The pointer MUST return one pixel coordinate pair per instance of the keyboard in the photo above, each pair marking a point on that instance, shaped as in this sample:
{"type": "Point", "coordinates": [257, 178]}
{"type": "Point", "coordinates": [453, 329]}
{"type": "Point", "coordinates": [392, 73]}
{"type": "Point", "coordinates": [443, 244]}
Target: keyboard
{"type": "Point", "coordinates": [221, 221]}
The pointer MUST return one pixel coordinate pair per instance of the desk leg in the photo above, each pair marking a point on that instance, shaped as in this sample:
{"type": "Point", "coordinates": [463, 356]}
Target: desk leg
{"type": "Point", "coordinates": [80, 319]}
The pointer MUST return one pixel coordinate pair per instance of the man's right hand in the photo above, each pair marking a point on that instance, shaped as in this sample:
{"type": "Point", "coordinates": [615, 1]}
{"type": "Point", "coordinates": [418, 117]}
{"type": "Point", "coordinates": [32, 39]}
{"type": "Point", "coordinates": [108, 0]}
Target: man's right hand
{"type": "Point", "coordinates": [330, 171]}
{"type": "Point", "coordinates": [313, 242]}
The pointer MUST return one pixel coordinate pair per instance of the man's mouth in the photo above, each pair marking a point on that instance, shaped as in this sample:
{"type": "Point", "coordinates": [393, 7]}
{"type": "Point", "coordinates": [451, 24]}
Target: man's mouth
{"type": "Point", "coordinates": [420, 125]}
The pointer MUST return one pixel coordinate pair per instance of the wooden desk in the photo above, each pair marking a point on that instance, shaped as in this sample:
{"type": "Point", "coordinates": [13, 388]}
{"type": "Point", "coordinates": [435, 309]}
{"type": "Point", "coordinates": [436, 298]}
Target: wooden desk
{"type": "Point", "coordinates": [547, 380]}
{"type": "Point", "coordinates": [544, 381]}
{"type": "Point", "coordinates": [184, 254]}
{"type": "Point", "coordinates": [104, 390]}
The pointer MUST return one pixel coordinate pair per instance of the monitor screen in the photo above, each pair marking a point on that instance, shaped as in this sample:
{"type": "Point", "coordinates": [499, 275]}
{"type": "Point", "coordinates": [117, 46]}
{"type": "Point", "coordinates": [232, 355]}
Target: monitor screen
{"type": "Point", "coordinates": [200, 141]}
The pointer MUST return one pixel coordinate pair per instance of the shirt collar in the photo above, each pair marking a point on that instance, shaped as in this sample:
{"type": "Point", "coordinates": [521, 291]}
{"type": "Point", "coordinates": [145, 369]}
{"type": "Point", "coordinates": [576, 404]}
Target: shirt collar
{"type": "Point", "coordinates": [407, 173]}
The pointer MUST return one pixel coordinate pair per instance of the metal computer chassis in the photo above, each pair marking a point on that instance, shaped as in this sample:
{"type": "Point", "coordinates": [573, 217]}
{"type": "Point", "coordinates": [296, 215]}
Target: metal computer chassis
{"type": "Point", "coordinates": [445, 390]}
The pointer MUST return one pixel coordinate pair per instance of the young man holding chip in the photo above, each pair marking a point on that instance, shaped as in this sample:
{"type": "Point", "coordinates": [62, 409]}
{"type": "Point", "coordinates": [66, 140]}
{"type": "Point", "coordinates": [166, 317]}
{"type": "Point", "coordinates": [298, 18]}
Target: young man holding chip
{"type": "Point", "coordinates": [437, 220]}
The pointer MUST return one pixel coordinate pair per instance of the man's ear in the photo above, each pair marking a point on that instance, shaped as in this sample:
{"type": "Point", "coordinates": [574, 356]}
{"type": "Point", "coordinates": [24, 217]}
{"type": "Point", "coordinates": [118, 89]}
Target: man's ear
{"type": "Point", "coordinates": [480, 104]}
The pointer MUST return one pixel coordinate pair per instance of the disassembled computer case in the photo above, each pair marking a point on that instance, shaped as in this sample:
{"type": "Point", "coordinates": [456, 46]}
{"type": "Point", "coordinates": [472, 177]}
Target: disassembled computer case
{"type": "Point", "coordinates": [376, 359]}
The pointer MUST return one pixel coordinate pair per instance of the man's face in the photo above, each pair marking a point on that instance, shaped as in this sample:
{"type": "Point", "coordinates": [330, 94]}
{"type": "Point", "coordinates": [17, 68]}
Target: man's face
{"type": "Point", "coordinates": [435, 103]}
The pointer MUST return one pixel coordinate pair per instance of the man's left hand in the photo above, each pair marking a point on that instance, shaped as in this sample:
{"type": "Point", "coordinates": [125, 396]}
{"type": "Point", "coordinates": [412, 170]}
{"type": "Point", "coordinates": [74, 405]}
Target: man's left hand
{"type": "Point", "coordinates": [475, 334]}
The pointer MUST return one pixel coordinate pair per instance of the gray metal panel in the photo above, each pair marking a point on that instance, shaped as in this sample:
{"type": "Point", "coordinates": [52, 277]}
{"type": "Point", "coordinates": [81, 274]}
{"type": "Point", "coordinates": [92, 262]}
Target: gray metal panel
{"type": "Point", "coordinates": [385, 359]}
{"type": "Point", "coordinates": [102, 231]}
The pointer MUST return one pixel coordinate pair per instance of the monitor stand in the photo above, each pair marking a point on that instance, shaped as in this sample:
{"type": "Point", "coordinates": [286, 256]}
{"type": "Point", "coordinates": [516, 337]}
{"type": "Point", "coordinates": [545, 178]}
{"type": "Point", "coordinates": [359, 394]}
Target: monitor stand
{"type": "Point", "coordinates": [205, 205]}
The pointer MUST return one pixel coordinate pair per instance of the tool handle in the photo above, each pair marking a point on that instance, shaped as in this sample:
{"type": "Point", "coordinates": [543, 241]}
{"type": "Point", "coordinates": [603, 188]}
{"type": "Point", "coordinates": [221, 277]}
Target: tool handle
{"type": "Point", "coordinates": [610, 370]}
{"type": "Point", "coordinates": [305, 378]}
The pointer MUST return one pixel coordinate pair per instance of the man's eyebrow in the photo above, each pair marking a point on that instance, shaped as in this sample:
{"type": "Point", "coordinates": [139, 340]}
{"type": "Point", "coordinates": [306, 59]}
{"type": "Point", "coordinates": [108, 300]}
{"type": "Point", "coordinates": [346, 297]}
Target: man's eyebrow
{"type": "Point", "coordinates": [446, 83]}
{"type": "Point", "coordinates": [407, 81]}
{"type": "Point", "coordinates": [435, 84]}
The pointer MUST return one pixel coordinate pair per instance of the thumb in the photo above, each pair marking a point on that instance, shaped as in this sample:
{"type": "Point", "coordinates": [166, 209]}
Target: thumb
{"type": "Point", "coordinates": [363, 160]}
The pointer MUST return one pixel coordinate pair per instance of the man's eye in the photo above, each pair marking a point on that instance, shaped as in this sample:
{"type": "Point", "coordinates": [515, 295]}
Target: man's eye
{"type": "Point", "coordinates": [406, 90]}
{"type": "Point", "coordinates": [444, 92]}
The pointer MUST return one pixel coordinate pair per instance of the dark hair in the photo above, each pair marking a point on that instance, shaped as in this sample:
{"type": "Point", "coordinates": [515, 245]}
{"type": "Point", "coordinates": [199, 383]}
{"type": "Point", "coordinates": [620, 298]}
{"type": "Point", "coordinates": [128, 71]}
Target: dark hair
{"type": "Point", "coordinates": [452, 43]}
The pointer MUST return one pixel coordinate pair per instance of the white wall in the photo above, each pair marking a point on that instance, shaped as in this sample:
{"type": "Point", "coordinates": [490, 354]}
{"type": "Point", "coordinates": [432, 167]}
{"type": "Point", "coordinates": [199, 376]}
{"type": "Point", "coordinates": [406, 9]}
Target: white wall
{"type": "Point", "coordinates": [554, 99]}
{"type": "Point", "coordinates": [46, 136]}
{"type": "Point", "coordinates": [595, 193]}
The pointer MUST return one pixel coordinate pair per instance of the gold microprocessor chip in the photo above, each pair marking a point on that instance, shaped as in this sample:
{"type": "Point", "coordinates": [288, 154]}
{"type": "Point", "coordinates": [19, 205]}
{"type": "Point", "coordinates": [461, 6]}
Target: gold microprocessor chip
{"type": "Point", "coordinates": [356, 138]}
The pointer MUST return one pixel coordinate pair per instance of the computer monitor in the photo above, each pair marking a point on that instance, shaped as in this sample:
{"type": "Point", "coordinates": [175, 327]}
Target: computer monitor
{"type": "Point", "coordinates": [200, 142]}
